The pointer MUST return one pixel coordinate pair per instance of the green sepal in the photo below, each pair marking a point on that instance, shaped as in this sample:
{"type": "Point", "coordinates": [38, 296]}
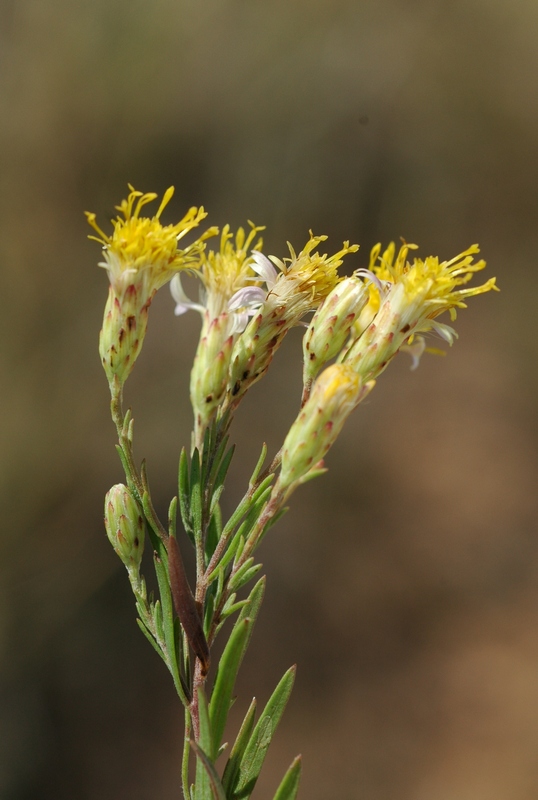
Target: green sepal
{"type": "Point", "coordinates": [214, 786]}
{"type": "Point", "coordinates": [236, 754]}
{"type": "Point", "coordinates": [224, 682]}
{"type": "Point", "coordinates": [260, 739]}
{"type": "Point", "coordinates": [204, 752]}
{"type": "Point", "coordinates": [290, 782]}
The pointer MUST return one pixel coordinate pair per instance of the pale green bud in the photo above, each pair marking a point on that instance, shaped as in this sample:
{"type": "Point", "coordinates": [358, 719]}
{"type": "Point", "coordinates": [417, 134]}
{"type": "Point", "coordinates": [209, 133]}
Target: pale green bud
{"type": "Point", "coordinates": [371, 353]}
{"type": "Point", "coordinates": [334, 395]}
{"type": "Point", "coordinates": [124, 328]}
{"type": "Point", "coordinates": [256, 346]}
{"type": "Point", "coordinates": [330, 325]}
{"type": "Point", "coordinates": [209, 376]}
{"type": "Point", "coordinates": [125, 526]}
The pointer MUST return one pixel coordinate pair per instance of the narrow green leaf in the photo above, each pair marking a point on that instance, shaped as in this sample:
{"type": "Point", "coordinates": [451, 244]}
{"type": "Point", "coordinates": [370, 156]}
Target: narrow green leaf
{"type": "Point", "coordinates": [205, 748]}
{"type": "Point", "coordinates": [206, 454]}
{"type": "Point", "coordinates": [184, 492]}
{"type": "Point", "coordinates": [214, 530]}
{"type": "Point", "coordinates": [244, 574]}
{"type": "Point", "coordinates": [215, 786]}
{"type": "Point", "coordinates": [231, 660]}
{"type": "Point", "coordinates": [254, 602]}
{"type": "Point", "coordinates": [151, 640]}
{"type": "Point", "coordinates": [232, 765]}
{"type": "Point", "coordinates": [259, 465]}
{"type": "Point", "coordinates": [264, 485]}
{"type": "Point", "coordinates": [270, 524]}
{"type": "Point", "coordinates": [196, 493]}
{"type": "Point", "coordinates": [256, 749]}
{"type": "Point", "coordinates": [231, 608]}
{"type": "Point", "coordinates": [209, 610]}
{"type": "Point", "coordinates": [158, 619]}
{"type": "Point", "coordinates": [225, 681]}
{"type": "Point", "coordinates": [228, 555]}
{"type": "Point", "coordinates": [172, 517]}
{"type": "Point", "coordinates": [290, 783]}
{"type": "Point", "coordinates": [224, 466]}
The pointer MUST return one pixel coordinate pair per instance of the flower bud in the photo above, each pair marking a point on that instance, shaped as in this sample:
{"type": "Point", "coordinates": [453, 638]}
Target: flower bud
{"type": "Point", "coordinates": [125, 526]}
{"type": "Point", "coordinates": [330, 325]}
{"type": "Point", "coordinates": [335, 394]}
{"type": "Point", "coordinates": [124, 328]}
{"type": "Point", "coordinates": [209, 376]}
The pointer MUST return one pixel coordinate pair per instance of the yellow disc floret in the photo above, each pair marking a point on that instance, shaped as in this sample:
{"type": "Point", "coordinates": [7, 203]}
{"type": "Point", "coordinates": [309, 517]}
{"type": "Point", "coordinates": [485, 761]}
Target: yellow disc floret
{"type": "Point", "coordinates": [142, 250]}
{"type": "Point", "coordinates": [227, 271]}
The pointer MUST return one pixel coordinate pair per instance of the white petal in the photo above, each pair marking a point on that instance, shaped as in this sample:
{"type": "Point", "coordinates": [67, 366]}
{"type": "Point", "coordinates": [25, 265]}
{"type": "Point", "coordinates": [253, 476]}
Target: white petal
{"type": "Point", "coordinates": [263, 267]}
{"type": "Point", "coordinates": [445, 331]}
{"type": "Point", "coordinates": [247, 297]}
{"type": "Point", "coordinates": [415, 350]}
{"type": "Point", "coordinates": [368, 275]}
{"type": "Point", "coordinates": [183, 303]}
{"type": "Point", "coordinates": [239, 322]}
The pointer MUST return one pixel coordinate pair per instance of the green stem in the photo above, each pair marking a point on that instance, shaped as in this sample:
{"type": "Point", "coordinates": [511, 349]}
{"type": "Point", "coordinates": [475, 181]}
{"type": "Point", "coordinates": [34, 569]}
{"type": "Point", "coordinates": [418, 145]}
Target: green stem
{"type": "Point", "coordinates": [186, 754]}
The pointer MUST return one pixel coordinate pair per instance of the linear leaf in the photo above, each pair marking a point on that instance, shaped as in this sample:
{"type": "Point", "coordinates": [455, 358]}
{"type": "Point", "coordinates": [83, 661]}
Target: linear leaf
{"type": "Point", "coordinates": [225, 681]}
{"type": "Point", "coordinates": [184, 492]}
{"type": "Point", "coordinates": [196, 493]}
{"type": "Point", "coordinates": [151, 640]}
{"type": "Point", "coordinates": [290, 782]}
{"type": "Point", "coordinates": [217, 792]}
{"type": "Point", "coordinates": [256, 749]}
{"type": "Point", "coordinates": [232, 765]}
{"type": "Point", "coordinates": [224, 466]}
{"type": "Point", "coordinates": [259, 465]}
{"type": "Point", "coordinates": [205, 748]}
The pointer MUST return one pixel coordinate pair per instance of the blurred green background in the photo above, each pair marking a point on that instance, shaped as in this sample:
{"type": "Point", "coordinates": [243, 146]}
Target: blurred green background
{"type": "Point", "coordinates": [404, 582]}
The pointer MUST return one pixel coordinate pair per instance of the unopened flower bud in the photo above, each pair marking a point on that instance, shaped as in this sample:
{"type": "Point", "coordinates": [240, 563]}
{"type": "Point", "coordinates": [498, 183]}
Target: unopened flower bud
{"type": "Point", "coordinates": [330, 325]}
{"type": "Point", "coordinates": [122, 335]}
{"type": "Point", "coordinates": [125, 526]}
{"type": "Point", "coordinates": [209, 376]}
{"type": "Point", "coordinates": [335, 394]}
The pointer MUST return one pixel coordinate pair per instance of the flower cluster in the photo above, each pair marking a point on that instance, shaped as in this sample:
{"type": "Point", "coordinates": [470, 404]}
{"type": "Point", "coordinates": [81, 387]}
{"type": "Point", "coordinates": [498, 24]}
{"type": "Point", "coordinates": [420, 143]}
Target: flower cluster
{"type": "Point", "coordinates": [249, 301]}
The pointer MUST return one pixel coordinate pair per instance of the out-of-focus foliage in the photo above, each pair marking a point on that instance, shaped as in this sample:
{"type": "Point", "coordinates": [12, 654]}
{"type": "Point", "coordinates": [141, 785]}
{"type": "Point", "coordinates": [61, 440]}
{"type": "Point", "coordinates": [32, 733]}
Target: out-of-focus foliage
{"type": "Point", "coordinates": [414, 620]}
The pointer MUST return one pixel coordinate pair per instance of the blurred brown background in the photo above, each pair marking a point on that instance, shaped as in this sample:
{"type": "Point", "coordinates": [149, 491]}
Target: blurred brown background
{"type": "Point", "coordinates": [403, 583]}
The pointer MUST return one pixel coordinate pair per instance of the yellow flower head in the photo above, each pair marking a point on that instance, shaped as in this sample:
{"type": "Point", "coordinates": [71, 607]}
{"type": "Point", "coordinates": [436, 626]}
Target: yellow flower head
{"type": "Point", "coordinates": [141, 250]}
{"type": "Point", "coordinates": [307, 278]}
{"type": "Point", "coordinates": [405, 299]}
{"type": "Point", "coordinates": [430, 286]}
{"type": "Point", "coordinates": [228, 270]}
